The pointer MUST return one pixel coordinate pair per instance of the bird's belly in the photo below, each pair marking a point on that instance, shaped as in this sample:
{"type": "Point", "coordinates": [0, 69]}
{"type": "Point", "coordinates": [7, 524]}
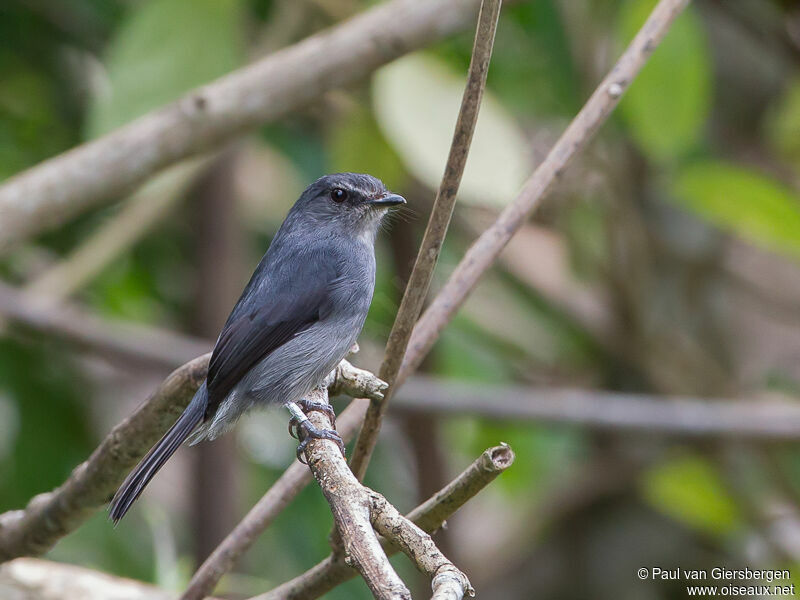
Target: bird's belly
{"type": "Point", "coordinates": [291, 371]}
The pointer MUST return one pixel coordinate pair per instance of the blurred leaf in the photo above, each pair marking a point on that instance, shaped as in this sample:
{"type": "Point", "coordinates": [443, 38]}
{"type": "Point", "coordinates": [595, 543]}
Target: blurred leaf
{"type": "Point", "coordinates": [416, 101]}
{"type": "Point", "coordinates": [743, 202]}
{"type": "Point", "coordinates": [545, 82]}
{"type": "Point", "coordinates": [30, 127]}
{"type": "Point", "coordinates": [162, 49]}
{"type": "Point", "coordinates": [667, 105]}
{"type": "Point", "coordinates": [542, 84]}
{"type": "Point", "coordinates": [783, 124]}
{"type": "Point", "coordinates": [690, 490]}
{"type": "Point", "coordinates": [52, 434]}
{"type": "Point", "coordinates": [463, 353]}
{"type": "Point", "coordinates": [356, 144]}
{"type": "Point", "coordinates": [543, 453]}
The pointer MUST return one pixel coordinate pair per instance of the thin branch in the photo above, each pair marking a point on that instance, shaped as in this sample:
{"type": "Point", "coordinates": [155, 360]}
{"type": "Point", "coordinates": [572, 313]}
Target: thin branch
{"type": "Point", "coordinates": [352, 511]}
{"type": "Point", "coordinates": [261, 516]}
{"type": "Point", "coordinates": [121, 341]}
{"type": "Point", "coordinates": [482, 254]}
{"type": "Point", "coordinates": [56, 190]}
{"type": "Point", "coordinates": [143, 210]}
{"type": "Point", "coordinates": [429, 517]}
{"type": "Point", "coordinates": [50, 516]}
{"type": "Point", "coordinates": [741, 418]}
{"type": "Point", "coordinates": [441, 213]}
{"type": "Point", "coordinates": [447, 581]}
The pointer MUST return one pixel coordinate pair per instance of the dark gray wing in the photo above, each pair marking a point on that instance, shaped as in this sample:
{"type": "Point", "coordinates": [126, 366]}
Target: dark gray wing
{"type": "Point", "coordinates": [280, 301]}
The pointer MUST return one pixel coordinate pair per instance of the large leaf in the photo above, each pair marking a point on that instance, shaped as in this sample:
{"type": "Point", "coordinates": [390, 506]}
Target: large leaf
{"type": "Point", "coordinates": [163, 49]}
{"type": "Point", "coordinates": [416, 102]}
{"type": "Point", "coordinates": [743, 202]}
{"type": "Point", "coordinates": [690, 490]}
{"type": "Point", "coordinates": [667, 105]}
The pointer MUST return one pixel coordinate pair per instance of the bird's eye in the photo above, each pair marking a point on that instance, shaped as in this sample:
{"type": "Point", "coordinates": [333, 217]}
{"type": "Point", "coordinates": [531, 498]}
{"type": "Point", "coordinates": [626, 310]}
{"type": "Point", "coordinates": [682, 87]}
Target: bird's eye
{"type": "Point", "coordinates": [338, 195]}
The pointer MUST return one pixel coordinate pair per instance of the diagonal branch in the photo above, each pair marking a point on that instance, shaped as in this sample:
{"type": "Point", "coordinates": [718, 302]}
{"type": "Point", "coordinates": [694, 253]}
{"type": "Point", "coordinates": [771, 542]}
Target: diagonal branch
{"type": "Point", "coordinates": [58, 189]}
{"type": "Point", "coordinates": [483, 253]}
{"type": "Point", "coordinates": [351, 508]}
{"type": "Point", "coordinates": [428, 516]}
{"type": "Point", "coordinates": [420, 278]}
{"type": "Point", "coordinates": [446, 580]}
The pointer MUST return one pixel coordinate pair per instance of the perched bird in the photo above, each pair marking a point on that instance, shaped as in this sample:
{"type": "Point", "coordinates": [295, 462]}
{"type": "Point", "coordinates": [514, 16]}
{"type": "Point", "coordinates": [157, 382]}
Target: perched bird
{"type": "Point", "coordinates": [297, 318]}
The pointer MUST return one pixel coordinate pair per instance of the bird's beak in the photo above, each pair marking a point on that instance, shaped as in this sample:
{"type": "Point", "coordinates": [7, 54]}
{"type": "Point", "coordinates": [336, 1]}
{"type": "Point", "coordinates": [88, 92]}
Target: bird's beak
{"type": "Point", "coordinates": [388, 200]}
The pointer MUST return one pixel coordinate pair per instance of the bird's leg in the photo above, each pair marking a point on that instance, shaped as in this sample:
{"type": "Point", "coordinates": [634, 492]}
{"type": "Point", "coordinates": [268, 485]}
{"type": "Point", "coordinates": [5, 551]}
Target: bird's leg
{"type": "Point", "coordinates": [306, 406]}
{"type": "Point", "coordinates": [306, 430]}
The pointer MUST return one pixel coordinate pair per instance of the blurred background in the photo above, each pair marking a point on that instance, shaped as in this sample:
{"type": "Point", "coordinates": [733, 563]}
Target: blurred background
{"type": "Point", "coordinates": [665, 264]}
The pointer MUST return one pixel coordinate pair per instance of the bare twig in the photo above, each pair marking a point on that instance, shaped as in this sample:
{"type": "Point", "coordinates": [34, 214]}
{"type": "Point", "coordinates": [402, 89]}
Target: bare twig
{"type": "Point", "coordinates": [482, 254]}
{"type": "Point", "coordinates": [752, 418]}
{"type": "Point", "coordinates": [352, 512]}
{"type": "Point", "coordinates": [146, 207]}
{"type": "Point", "coordinates": [447, 581]}
{"type": "Point", "coordinates": [48, 517]}
{"type": "Point", "coordinates": [429, 516]}
{"type": "Point", "coordinates": [352, 381]}
{"type": "Point", "coordinates": [56, 190]}
{"type": "Point", "coordinates": [441, 213]}
{"type": "Point", "coordinates": [238, 541]}
{"type": "Point", "coordinates": [121, 341]}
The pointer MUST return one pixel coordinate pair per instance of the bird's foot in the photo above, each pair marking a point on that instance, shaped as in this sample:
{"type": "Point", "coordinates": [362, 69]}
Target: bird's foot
{"type": "Point", "coordinates": [323, 407]}
{"type": "Point", "coordinates": [308, 406]}
{"type": "Point", "coordinates": [310, 432]}
{"type": "Point", "coordinates": [302, 429]}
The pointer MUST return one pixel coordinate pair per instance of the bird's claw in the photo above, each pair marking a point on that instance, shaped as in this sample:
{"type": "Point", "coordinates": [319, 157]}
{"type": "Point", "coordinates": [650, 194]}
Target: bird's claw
{"type": "Point", "coordinates": [308, 406]}
{"type": "Point", "coordinates": [309, 432]}
{"type": "Point", "coordinates": [323, 407]}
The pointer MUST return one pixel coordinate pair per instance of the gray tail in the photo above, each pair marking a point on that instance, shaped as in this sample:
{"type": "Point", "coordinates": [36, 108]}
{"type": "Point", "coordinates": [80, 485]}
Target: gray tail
{"type": "Point", "coordinates": [135, 483]}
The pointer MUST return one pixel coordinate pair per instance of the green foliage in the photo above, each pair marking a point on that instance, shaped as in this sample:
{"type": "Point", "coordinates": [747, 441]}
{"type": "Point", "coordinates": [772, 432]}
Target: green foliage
{"type": "Point", "coordinates": [666, 108]}
{"type": "Point", "coordinates": [743, 202]}
{"type": "Point", "coordinates": [545, 83]}
{"type": "Point", "coordinates": [783, 124]}
{"type": "Point", "coordinates": [688, 488]}
{"type": "Point", "coordinates": [45, 395]}
{"type": "Point", "coordinates": [416, 101]}
{"type": "Point", "coordinates": [356, 144]}
{"type": "Point", "coordinates": [162, 49]}
{"type": "Point", "coordinates": [543, 453]}
{"type": "Point", "coordinates": [30, 126]}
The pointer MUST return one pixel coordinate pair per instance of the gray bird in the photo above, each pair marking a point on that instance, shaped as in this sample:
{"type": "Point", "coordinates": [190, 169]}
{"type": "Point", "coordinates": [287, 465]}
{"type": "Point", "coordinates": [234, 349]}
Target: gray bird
{"type": "Point", "coordinates": [296, 320]}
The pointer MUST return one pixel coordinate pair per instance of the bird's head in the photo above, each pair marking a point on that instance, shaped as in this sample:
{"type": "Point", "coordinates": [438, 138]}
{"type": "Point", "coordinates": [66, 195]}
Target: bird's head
{"type": "Point", "coordinates": [345, 203]}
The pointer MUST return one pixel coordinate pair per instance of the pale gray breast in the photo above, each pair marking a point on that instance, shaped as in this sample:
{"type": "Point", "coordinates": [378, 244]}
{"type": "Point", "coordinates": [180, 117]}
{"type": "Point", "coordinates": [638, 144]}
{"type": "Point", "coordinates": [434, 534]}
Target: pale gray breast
{"type": "Point", "coordinates": [291, 371]}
